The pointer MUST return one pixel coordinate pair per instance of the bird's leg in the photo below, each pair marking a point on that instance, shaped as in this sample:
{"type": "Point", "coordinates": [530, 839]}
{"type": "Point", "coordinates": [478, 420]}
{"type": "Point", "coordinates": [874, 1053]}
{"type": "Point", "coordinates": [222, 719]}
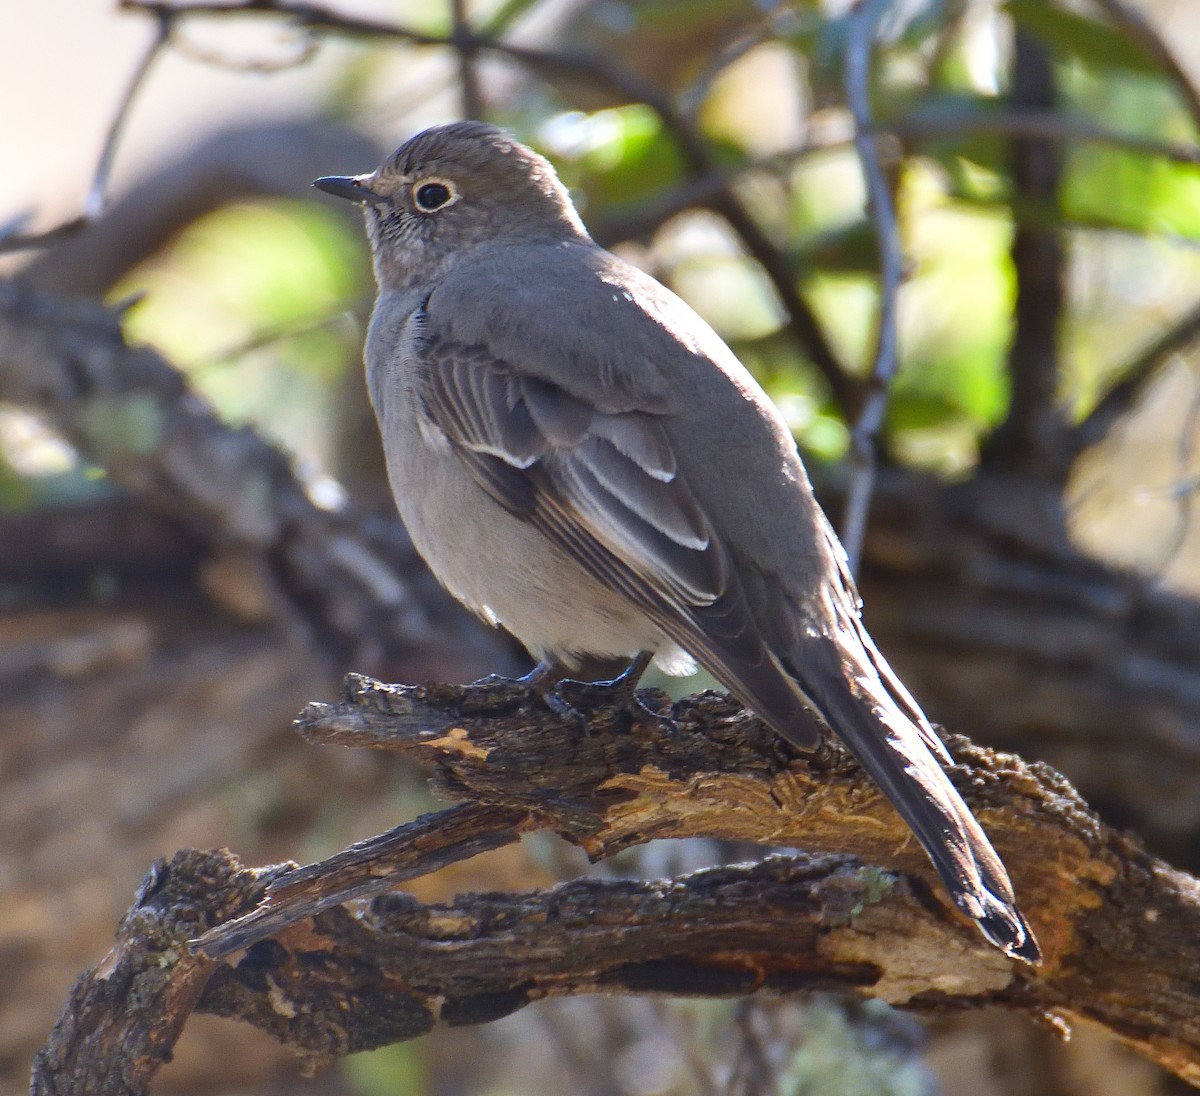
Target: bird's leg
{"type": "Point", "coordinates": [619, 692]}
{"type": "Point", "coordinates": [549, 680]}
{"type": "Point", "coordinates": [541, 679]}
{"type": "Point", "coordinates": [622, 688]}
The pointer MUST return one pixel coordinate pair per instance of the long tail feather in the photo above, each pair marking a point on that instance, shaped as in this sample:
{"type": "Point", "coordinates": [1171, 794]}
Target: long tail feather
{"type": "Point", "coordinates": [889, 746]}
{"type": "Point", "coordinates": [892, 746]}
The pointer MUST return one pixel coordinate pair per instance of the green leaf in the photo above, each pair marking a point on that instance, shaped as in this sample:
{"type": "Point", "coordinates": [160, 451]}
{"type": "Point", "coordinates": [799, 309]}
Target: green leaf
{"type": "Point", "coordinates": [1112, 187]}
{"type": "Point", "coordinates": [620, 157]}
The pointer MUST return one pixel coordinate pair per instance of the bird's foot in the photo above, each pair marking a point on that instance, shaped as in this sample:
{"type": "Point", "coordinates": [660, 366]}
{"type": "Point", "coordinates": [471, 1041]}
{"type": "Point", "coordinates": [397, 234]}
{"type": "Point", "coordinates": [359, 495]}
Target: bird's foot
{"type": "Point", "coordinates": [497, 691]}
{"type": "Point", "coordinates": [569, 698]}
{"type": "Point", "coordinates": [619, 693]}
{"type": "Point", "coordinates": [541, 682]}
{"type": "Point", "coordinates": [542, 678]}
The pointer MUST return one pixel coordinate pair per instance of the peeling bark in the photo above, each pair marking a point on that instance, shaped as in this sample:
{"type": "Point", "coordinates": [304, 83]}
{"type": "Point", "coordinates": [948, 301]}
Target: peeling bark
{"type": "Point", "coordinates": [1116, 926]}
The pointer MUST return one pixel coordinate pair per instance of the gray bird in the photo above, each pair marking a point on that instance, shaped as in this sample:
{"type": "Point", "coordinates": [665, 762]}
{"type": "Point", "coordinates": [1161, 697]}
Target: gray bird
{"type": "Point", "coordinates": [581, 459]}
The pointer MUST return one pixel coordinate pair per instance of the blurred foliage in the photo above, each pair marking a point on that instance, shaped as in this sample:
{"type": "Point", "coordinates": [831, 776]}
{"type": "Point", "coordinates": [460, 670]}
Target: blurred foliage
{"type": "Point", "coordinates": [262, 303]}
{"type": "Point", "coordinates": [257, 303]}
{"type": "Point", "coordinates": [613, 158]}
{"type": "Point", "coordinates": [1076, 36]}
{"type": "Point", "coordinates": [840, 1055]}
{"type": "Point", "coordinates": [944, 63]}
{"type": "Point", "coordinates": [37, 468]}
{"type": "Point", "coordinates": [400, 1068]}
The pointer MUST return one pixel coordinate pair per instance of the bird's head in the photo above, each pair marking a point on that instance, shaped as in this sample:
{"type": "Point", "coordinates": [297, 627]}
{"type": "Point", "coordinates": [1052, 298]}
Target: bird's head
{"type": "Point", "coordinates": [450, 189]}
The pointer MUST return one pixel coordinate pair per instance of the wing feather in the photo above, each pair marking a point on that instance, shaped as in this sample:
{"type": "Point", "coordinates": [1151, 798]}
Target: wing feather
{"type": "Point", "coordinates": [614, 474]}
{"type": "Point", "coordinates": [606, 488]}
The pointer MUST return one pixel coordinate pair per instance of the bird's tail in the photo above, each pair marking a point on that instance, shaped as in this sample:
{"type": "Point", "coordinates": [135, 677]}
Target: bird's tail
{"type": "Point", "coordinates": [866, 706]}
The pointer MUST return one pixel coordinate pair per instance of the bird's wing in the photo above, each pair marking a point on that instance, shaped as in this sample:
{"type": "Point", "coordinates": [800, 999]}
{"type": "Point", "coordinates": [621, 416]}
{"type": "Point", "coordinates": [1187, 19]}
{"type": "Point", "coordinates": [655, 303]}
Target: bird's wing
{"type": "Point", "coordinates": [605, 487]}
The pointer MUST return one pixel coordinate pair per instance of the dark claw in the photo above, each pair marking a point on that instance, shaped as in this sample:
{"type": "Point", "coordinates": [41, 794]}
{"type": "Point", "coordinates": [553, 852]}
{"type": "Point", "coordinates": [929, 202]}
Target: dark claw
{"type": "Point", "coordinates": [512, 692]}
{"type": "Point", "coordinates": [619, 693]}
{"type": "Point", "coordinates": [561, 694]}
{"type": "Point", "coordinates": [564, 709]}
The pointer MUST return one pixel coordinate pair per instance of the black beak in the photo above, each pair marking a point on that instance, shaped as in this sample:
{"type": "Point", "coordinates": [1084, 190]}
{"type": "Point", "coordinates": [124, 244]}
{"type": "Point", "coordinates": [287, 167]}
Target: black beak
{"type": "Point", "coordinates": [346, 186]}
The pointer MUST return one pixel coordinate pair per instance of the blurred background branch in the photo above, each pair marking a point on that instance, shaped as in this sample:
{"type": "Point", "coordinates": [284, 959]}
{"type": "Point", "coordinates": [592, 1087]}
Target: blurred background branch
{"type": "Point", "coordinates": [95, 203]}
{"type": "Point", "coordinates": [864, 436]}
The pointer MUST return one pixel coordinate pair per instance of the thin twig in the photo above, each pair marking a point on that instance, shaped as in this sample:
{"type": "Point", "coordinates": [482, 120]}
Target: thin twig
{"type": "Point", "coordinates": [96, 200]}
{"type": "Point", "coordinates": [1134, 23]}
{"type": "Point", "coordinates": [468, 74]}
{"type": "Point", "coordinates": [308, 48]}
{"type": "Point", "coordinates": [589, 1064]}
{"type": "Point", "coordinates": [274, 334]}
{"type": "Point", "coordinates": [1134, 378]}
{"type": "Point", "coordinates": [891, 270]}
{"type": "Point", "coordinates": [693, 96]}
{"type": "Point", "coordinates": [753, 1055]}
{"type": "Point", "coordinates": [375, 866]}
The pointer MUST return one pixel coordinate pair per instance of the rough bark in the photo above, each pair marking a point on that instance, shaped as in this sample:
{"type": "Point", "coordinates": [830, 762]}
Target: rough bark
{"type": "Point", "coordinates": [1115, 924]}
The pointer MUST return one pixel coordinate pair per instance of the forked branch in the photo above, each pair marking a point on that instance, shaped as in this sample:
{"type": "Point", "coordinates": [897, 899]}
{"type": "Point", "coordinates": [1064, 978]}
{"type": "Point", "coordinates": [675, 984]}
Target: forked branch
{"type": "Point", "coordinates": [265, 946]}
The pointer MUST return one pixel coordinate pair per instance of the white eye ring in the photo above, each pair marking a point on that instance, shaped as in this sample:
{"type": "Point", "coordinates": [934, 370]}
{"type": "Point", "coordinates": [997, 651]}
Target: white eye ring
{"type": "Point", "coordinates": [430, 195]}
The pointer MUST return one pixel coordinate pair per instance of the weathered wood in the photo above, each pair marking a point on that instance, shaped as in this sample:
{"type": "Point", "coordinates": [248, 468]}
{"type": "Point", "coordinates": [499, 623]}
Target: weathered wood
{"type": "Point", "coordinates": [124, 1015]}
{"type": "Point", "coordinates": [1117, 927]}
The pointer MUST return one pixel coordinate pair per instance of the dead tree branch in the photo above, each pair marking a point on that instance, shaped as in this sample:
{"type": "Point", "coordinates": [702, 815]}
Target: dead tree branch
{"type": "Point", "coordinates": [1117, 926]}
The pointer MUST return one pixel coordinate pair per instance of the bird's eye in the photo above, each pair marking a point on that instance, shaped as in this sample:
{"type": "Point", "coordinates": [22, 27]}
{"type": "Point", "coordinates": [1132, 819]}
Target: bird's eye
{"type": "Point", "coordinates": [433, 195]}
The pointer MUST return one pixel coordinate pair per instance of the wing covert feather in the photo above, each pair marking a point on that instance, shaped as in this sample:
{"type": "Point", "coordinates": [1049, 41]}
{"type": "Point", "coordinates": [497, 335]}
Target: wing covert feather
{"type": "Point", "coordinates": [613, 474]}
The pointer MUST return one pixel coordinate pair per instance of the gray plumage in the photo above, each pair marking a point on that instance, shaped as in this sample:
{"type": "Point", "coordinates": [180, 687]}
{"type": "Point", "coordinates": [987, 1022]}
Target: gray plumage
{"type": "Point", "coordinates": [582, 460]}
